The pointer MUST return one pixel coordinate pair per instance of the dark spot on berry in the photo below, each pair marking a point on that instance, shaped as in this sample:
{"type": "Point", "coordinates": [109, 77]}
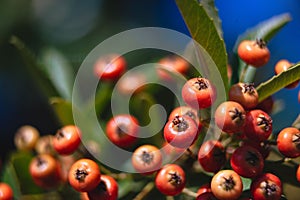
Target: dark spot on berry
{"type": "Point", "coordinates": [228, 183]}
{"type": "Point", "coordinates": [201, 84]}
{"type": "Point", "coordinates": [236, 115]}
{"type": "Point", "coordinates": [252, 158]}
{"type": "Point", "coordinates": [147, 157]}
{"type": "Point", "coordinates": [80, 174]}
{"type": "Point", "coordinates": [60, 134]}
{"type": "Point", "coordinates": [121, 130]}
{"type": "Point", "coordinates": [263, 122]}
{"type": "Point", "coordinates": [261, 43]}
{"type": "Point", "coordinates": [175, 178]}
{"type": "Point", "coordinates": [269, 189]}
{"type": "Point", "coordinates": [179, 124]}
{"type": "Point", "coordinates": [248, 88]}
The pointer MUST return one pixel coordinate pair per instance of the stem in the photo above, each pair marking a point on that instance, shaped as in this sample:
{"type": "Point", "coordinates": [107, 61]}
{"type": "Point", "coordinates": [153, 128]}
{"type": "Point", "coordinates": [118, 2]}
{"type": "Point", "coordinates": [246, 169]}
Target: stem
{"type": "Point", "coordinates": [243, 74]}
{"type": "Point", "coordinates": [191, 154]}
{"type": "Point", "coordinates": [144, 191]}
{"type": "Point", "coordinates": [169, 198]}
{"type": "Point", "coordinates": [189, 192]}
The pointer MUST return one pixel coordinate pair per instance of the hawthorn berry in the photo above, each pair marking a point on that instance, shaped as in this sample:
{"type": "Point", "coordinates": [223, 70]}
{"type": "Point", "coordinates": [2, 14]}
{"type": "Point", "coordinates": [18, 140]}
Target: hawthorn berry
{"type": "Point", "coordinates": [181, 132]}
{"type": "Point", "coordinates": [206, 196]}
{"type": "Point", "coordinates": [245, 94]}
{"type": "Point", "coordinates": [170, 180]}
{"type": "Point", "coordinates": [67, 139]}
{"type": "Point", "coordinates": [110, 67]}
{"type": "Point", "coordinates": [6, 192]}
{"type": "Point", "coordinates": [199, 93]}
{"type": "Point", "coordinates": [226, 185]}
{"type": "Point", "coordinates": [230, 117]}
{"type": "Point", "coordinates": [107, 189]}
{"type": "Point", "coordinates": [84, 175]}
{"type": "Point", "coordinates": [211, 156]}
{"type": "Point", "coordinates": [26, 137]}
{"type": "Point", "coordinates": [266, 187]}
{"type": "Point", "coordinates": [45, 171]}
{"type": "Point", "coordinates": [288, 142]}
{"type": "Point", "coordinates": [258, 125]}
{"type": "Point", "coordinates": [204, 189]}
{"type": "Point", "coordinates": [247, 161]}
{"type": "Point", "coordinates": [146, 159]}
{"type": "Point", "coordinates": [44, 145]}
{"type": "Point", "coordinates": [122, 130]}
{"type": "Point", "coordinates": [254, 52]}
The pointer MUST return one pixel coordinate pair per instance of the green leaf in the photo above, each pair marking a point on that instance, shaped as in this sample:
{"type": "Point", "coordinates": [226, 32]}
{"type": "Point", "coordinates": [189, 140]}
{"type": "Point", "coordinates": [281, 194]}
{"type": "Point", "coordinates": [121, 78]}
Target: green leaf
{"type": "Point", "coordinates": [16, 173]}
{"type": "Point", "coordinates": [34, 68]}
{"type": "Point", "coordinates": [265, 30]}
{"type": "Point", "coordinates": [278, 82]}
{"type": "Point", "coordinates": [59, 71]}
{"type": "Point", "coordinates": [212, 11]}
{"type": "Point", "coordinates": [63, 110]}
{"type": "Point", "coordinates": [246, 183]}
{"type": "Point", "coordinates": [204, 31]}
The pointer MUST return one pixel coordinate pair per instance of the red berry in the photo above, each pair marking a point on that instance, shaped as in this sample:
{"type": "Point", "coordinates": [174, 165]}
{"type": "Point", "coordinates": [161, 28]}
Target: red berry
{"type": "Point", "coordinates": [172, 63]}
{"type": "Point", "coordinates": [266, 187]}
{"type": "Point", "coordinates": [204, 189]}
{"type": "Point", "coordinates": [107, 189]}
{"type": "Point", "coordinates": [181, 132]}
{"type": "Point", "coordinates": [211, 156]}
{"type": "Point", "coordinates": [146, 159]}
{"type": "Point", "coordinates": [298, 173]}
{"type": "Point", "coordinates": [245, 94]}
{"type": "Point", "coordinates": [227, 185]}
{"type": "Point", "coordinates": [6, 193]}
{"type": "Point", "coordinates": [67, 139]}
{"type": "Point", "coordinates": [254, 53]}
{"type": "Point", "coordinates": [288, 142]}
{"type": "Point", "coordinates": [258, 125]}
{"type": "Point", "coordinates": [45, 171]}
{"type": "Point", "coordinates": [122, 130]}
{"type": "Point", "coordinates": [230, 117]}
{"type": "Point", "coordinates": [170, 180]}
{"type": "Point", "coordinates": [84, 175]}
{"type": "Point", "coordinates": [110, 67]}
{"type": "Point", "coordinates": [199, 93]}
{"type": "Point", "coordinates": [247, 161]}
{"type": "Point", "coordinates": [206, 196]}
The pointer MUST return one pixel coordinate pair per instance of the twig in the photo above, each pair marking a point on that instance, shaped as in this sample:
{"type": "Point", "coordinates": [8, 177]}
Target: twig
{"type": "Point", "coordinates": [144, 191]}
{"type": "Point", "coordinates": [189, 192]}
{"type": "Point", "coordinates": [191, 154]}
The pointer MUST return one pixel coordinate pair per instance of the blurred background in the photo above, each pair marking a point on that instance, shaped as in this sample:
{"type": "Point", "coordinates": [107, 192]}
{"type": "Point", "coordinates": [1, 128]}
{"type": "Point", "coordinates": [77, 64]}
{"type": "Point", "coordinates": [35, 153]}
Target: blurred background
{"type": "Point", "coordinates": [75, 27]}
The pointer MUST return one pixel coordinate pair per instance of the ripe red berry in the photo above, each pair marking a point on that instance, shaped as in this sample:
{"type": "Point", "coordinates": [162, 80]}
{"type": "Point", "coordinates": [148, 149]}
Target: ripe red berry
{"type": "Point", "coordinates": [227, 185]}
{"type": "Point", "coordinates": [110, 67]}
{"type": "Point", "coordinates": [288, 142]}
{"type": "Point", "coordinates": [172, 63]}
{"type": "Point", "coordinates": [6, 193]}
{"type": "Point", "coordinates": [204, 189]}
{"type": "Point", "coordinates": [131, 83]}
{"type": "Point", "coordinates": [45, 171]}
{"type": "Point", "coordinates": [107, 189]}
{"type": "Point", "coordinates": [230, 117]}
{"type": "Point", "coordinates": [181, 132]}
{"type": "Point", "coordinates": [258, 125]}
{"type": "Point", "coordinates": [206, 196]}
{"type": "Point", "coordinates": [254, 53]}
{"type": "Point", "coordinates": [245, 94]}
{"type": "Point", "coordinates": [281, 66]}
{"type": "Point", "coordinates": [199, 93]}
{"type": "Point", "coordinates": [122, 130]}
{"type": "Point", "coordinates": [84, 175]}
{"type": "Point", "coordinates": [247, 161]}
{"type": "Point", "coordinates": [26, 137]}
{"type": "Point", "coordinates": [170, 180]}
{"type": "Point", "coordinates": [266, 187]}
{"type": "Point", "coordinates": [266, 104]}
{"type": "Point", "coordinates": [67, 139]}
{"type": "Point", "coordinates": [188, 111]}
{"type": "Point", "coordinates": [211, 156]}
{"type": "Point", "coordinates": [146, 159]}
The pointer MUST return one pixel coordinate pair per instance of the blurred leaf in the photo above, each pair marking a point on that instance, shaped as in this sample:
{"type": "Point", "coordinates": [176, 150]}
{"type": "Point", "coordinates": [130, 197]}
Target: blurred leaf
{"type": "Point", "coordinates": [33, 67]}
{"type": "Point", "coordinates": [127, 185]}
{"type": "Point", "coordinates": [9, 176]}
{"type": "Point", "coordinates": [204, 31]}
{"type": "Point", "coordinates": [63, 110]}
{"type": "Point", "coordinates": [102, 97]}
{"type": "Point", "coordinates": [278, 82]}
{"type": "Point", "coordinates": [17, 174]}
{"type": "Point", "coordinates": [59, 71]}
{"type": "Point", "coordinates": [212, 11]}
{"type": "Point", "coordinates": [265, 30]}
{"type": "Point", "coordinates": [296, 123]}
